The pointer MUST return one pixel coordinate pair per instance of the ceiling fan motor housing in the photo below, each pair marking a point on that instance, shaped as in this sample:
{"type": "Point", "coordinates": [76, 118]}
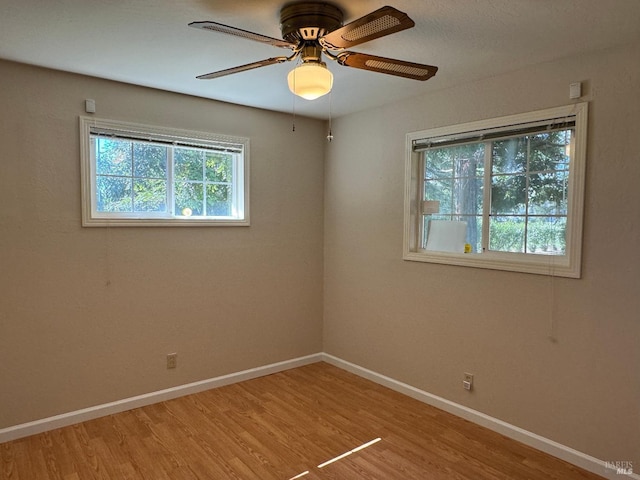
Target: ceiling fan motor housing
{"type": "Point", "coordinates": [312, 29]}
{"type": "Point", "coordinates": [308, 21]}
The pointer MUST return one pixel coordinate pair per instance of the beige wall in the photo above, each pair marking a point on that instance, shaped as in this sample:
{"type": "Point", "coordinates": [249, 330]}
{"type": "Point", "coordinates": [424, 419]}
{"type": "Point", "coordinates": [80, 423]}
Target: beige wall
{"type": "Point", "coordinates": [426, 324]}
{"type": "Point", "coordinates": [87, 315]}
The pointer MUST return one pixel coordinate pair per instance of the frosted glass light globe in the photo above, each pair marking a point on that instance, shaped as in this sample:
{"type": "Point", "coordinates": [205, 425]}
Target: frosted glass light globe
{"type": "Point", "coordinates": [310, 80]}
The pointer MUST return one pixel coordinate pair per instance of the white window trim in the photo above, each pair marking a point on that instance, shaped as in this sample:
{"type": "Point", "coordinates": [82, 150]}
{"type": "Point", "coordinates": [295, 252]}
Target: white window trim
{"type": "Point", "coordinates": [87, 170]}
{"type": "Point", "coordinates": [568, 265]}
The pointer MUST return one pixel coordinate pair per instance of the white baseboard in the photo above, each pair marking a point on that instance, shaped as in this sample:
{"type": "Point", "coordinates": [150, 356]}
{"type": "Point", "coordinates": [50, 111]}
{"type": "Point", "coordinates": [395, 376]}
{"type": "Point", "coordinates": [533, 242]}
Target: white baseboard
{"type": "Point", "coordinates": [538, 442]}
{"type": "Point", "coordinates": [71, 418]}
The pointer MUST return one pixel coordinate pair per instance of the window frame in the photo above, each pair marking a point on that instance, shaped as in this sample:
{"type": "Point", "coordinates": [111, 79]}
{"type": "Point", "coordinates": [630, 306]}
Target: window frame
{"type": "Point", "coordinates": [568, 265]}
{"type": "Point", "coordinates": [90, 126]}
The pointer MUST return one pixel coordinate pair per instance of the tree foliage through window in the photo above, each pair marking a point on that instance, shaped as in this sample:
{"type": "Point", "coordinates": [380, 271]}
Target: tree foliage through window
{"type": "Point", "coordinates": [133, 176]}
{"type": "Point", "coordinates": [527, 178]}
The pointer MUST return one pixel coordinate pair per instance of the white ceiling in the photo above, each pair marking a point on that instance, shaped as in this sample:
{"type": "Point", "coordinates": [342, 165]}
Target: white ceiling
{"type": "Point", "coordinates": [147, 42]}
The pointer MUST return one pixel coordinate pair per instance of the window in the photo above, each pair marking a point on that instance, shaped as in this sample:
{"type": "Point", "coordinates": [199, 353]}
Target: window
{"type": "Point", "coordinates": [142, 175]}
{"type": "Point", "coordinates": [505, 193]}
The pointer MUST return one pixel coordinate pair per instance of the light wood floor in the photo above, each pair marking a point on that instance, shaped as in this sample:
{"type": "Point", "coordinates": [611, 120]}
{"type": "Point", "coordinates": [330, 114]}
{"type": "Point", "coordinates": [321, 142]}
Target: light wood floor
{"type": "Point", "coordinates": [279, 427]}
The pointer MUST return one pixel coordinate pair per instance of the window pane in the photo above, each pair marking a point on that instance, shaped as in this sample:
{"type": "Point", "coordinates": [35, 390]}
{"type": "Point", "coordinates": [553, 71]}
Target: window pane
{"type": "Point", "coordinates": [546, 235]}
{"type": "Point", "coordinates": [441, 191]}
{"type": "Point", "coordinates": [456, 196]}
{"type": "Point", "coordinates": [189, 195]}
{"type": "Point", "coordinates": [150, 195]}
{"type": "Point", "coordinates": [548, 151]}
{"type": "Point", "coordinates": [446, 235]}
{"type": "Point", "coordinates": [455, 179]}
{"type": "Point", "coordinates": [474, 229]}
{"type": "Point", "coordinates": [438, 163]}
{"type": "Point", "coordinates": [548, 193]}
{"type": "Point", "coordinates": [468, 196]}
{"type": "Point", "coordinates": [218, 200]}
{"type": "Point", "coordinates": [508, 194]}
{"type": "Point", "coordinates": [113, 194]}
{"type": "Point", "coordinates": [219, 167]}
{"type": "Point", "coordinates": [474, 235]}
{"type": "Point", "coordinates": [468, 160]}
{"type": "Point", "coordinates": [188, 164]}
{"type": "Point", "coordinates": [509, 156]}
{"type": "Point", "coordinates": [506, 234]}
{"type": "Point", "coordinates": [113, 157]}
{"type": "Point", "coordinates": [460, 196]}
{"type": "Point", "coordinates": [149, 161]}
{"type": "Point", "coordinates": [457, 161]}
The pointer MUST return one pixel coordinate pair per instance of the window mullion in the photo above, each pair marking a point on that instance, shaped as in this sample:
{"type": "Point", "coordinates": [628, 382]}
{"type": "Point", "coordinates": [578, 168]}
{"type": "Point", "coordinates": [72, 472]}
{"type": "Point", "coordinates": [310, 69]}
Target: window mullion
{"type": "Point", "coordinates": [235, 194]}
{"type": "Point", "coordinates": [94, 153]}
{"type": "Point", "coordinates": [527, 180]}
{"type": "Point", "coordinates": [204, 185]}
{"type": "Point", "coordinates": [170, 184]}
{"type": "Point", "coordinates": [420, 219]}
{"type": "Point", "coordinates": [486, 199]}
{"type": "Point", "coordinates": [132, 178]}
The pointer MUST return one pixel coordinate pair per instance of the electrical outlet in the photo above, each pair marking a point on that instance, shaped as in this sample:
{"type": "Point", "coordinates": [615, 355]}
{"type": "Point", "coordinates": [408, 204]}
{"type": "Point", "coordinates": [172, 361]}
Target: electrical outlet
{"type": "Point", "coordinates": [172, 360]}
{"type": "Point", "coordinates": [467, 383]}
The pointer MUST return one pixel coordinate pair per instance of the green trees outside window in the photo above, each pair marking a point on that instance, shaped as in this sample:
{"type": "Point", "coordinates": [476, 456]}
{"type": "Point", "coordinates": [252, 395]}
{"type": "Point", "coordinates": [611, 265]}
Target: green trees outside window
{"type": "Point", "coordinates": [516, 188]}
{"type": "Point", "coordinates": [145, 177]}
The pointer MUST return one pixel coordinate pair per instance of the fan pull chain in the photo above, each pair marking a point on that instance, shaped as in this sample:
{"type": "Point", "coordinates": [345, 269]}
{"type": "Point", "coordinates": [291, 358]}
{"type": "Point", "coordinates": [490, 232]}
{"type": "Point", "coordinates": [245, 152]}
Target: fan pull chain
{"type": "Point", "coordinates": [330, 136]}
{"type": "Point", "coordinates": [293, 113]}
{"type": "Point", "coordinates": [293, 106]}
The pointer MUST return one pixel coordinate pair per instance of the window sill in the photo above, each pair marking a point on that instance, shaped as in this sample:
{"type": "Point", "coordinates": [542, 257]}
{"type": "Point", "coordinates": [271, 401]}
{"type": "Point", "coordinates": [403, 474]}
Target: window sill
{"type": "Point", "coordinates": [164, 222]}
{"type": "Point", "coordinates": [552, 265]}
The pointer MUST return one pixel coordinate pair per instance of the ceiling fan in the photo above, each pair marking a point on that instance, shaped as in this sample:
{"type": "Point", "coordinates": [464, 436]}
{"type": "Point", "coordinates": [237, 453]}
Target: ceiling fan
{"type": "Point", "coordinates": [312, 29]}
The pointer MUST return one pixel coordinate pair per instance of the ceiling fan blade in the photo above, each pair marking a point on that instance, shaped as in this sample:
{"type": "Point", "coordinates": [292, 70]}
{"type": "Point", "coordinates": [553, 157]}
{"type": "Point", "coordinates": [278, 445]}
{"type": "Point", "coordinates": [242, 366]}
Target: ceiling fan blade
{"type": "Point", "coordinates": [238, 32]}
{"type": "Point", "coordinates": [384, 21]}
{"type": "Point", "coordinates": [400, 68]}
{"type": "Point", "coordinates": [243, 68]}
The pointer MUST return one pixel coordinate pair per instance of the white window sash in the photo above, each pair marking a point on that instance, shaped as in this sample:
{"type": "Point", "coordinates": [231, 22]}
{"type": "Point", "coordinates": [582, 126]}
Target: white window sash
{"type": "Point", "coordinates": [568, 265]}
{"type": "Point", "coordinates": [238, 147]}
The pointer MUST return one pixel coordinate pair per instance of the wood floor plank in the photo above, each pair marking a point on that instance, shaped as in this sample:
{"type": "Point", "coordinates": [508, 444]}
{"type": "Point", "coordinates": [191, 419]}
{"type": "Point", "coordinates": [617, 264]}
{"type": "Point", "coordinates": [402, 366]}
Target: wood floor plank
{"type": "Point", "coordinates": [282, 426]}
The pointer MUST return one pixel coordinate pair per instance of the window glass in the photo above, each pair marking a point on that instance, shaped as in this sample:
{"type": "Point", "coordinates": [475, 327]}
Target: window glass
{"type": "Point", "coordinates": [516, 183]}
{"type": "Point", "coordinates": [136, 174]}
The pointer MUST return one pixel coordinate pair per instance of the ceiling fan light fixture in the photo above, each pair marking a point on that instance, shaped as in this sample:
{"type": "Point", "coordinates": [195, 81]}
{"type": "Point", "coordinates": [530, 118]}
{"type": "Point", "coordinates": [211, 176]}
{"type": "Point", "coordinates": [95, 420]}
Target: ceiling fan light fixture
{"type": "Point", "coordinates": [310, 29]}
{"type": "Point", "coordinates": [310, 80]}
